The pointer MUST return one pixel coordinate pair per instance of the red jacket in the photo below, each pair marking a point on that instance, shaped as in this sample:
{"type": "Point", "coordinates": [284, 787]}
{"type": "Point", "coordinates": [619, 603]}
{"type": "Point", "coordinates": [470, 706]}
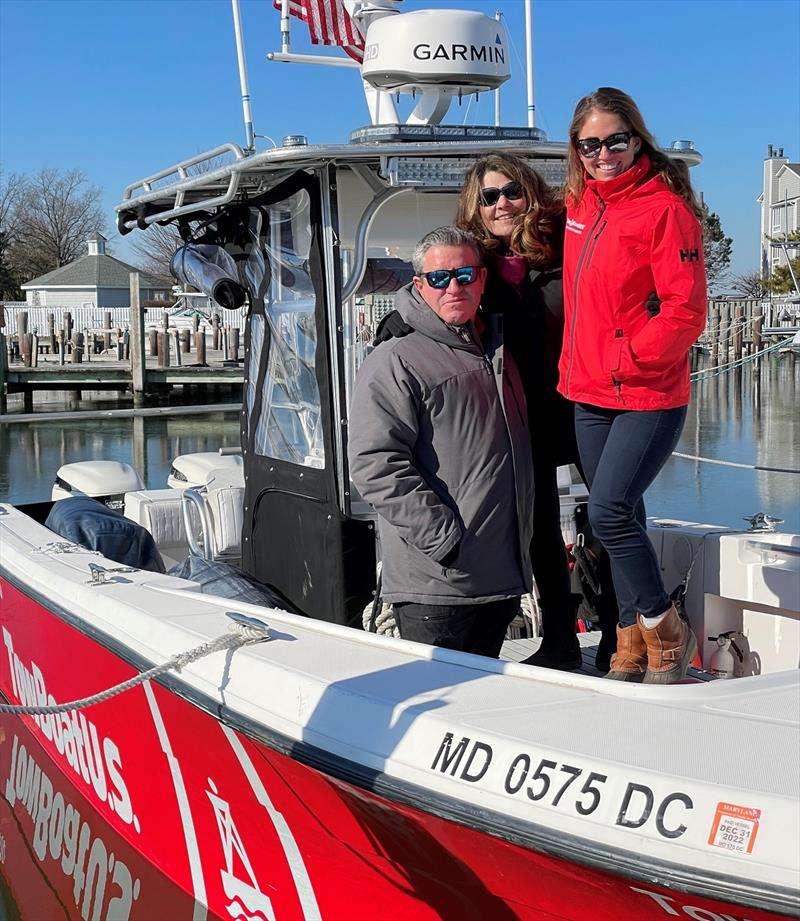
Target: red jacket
{"type": "Point", "coordinates": [627, 238]}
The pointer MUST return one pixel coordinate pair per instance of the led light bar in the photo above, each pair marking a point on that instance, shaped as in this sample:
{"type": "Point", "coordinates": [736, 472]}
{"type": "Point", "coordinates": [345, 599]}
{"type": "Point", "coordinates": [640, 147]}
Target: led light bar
{"type": "Point", "coordinates": [449, 172]}
{"type": "Point", "coordinates": [373, 133]}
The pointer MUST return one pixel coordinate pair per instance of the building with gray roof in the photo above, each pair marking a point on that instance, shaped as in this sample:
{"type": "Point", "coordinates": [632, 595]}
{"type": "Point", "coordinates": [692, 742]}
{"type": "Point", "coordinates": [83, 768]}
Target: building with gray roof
{"type": "Point", "coordinates": [94, 280]}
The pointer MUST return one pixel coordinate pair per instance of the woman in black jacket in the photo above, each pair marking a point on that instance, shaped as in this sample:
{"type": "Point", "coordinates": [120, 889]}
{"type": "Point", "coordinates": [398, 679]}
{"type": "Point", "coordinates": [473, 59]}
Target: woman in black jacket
{"type": "Point", "coordinates": [519, 222]}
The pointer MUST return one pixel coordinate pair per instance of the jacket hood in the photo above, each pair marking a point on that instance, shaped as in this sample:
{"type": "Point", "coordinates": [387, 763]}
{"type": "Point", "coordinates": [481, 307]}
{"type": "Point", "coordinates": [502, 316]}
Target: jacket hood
{"type": "Point", "coordinates": [411, 306]}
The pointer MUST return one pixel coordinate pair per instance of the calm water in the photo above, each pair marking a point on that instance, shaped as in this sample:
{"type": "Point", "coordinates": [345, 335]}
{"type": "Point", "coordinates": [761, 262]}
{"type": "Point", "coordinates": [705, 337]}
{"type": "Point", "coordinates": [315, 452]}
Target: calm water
{"type": "Point", "coordinates": [749, 418]}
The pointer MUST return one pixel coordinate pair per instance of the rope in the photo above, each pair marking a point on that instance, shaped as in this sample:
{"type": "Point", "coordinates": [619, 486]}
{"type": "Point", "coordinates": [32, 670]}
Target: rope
{"type": "Point", "coordinates": [243, 636]}
{"type": "Point", "coordinates": [383, 624]}
{"type": "Point", "coordinates": [711, 460]}
{"type": "Point", "coordinates": [724, 368]}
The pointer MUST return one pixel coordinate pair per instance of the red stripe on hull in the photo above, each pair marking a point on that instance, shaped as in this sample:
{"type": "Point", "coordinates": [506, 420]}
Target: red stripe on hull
{"type": "Point", "coordinates": [184, 808]}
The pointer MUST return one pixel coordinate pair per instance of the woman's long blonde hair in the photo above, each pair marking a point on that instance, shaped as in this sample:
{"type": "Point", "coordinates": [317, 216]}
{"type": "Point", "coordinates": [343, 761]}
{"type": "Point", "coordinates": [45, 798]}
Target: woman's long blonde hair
{"type": "Point", "coordinates": [538, 233]}
{"type": "Point", "coordinates": [608, 99]}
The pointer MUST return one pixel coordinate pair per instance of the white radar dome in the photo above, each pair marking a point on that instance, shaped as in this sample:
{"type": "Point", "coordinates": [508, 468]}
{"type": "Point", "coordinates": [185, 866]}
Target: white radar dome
{"type": "Point", "coordinates": [455, 48]}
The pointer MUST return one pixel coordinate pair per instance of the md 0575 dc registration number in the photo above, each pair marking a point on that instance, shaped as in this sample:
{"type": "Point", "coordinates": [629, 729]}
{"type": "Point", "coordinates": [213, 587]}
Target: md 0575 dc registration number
{"type": "Point", "coordinates": [560, 785]}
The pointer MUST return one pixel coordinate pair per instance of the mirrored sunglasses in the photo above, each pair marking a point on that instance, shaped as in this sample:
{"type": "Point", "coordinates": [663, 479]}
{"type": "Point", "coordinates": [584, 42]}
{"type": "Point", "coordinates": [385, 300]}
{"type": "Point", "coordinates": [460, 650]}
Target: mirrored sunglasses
{"type": "Point", "coordinates": [614, 143]}
{"type": "Point", "coordinates": [440, 278]}
{"type": "Point", "coordinates": [491, 196]}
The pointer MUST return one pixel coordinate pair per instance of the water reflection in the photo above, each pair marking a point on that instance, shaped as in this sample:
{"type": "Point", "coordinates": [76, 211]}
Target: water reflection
{"type": "Point", "coordinates": [748, 417]}
{"type": "Point", "coordinates": [32, 452]}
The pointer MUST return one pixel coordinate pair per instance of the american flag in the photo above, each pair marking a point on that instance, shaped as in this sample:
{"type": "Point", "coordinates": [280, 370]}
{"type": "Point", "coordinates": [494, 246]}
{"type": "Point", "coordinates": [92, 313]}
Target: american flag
{"type": "Point", "coordinates": [329, 24]}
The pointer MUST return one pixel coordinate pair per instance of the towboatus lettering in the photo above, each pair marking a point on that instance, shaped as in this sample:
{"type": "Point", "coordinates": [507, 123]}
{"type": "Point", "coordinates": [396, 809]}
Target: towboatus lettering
{"type": "Point", "coordinates": [103, 886]}
{"type": "Point", "coordinates": [564, 785]}
{"type": "Point", "coordinates": [94, 758]}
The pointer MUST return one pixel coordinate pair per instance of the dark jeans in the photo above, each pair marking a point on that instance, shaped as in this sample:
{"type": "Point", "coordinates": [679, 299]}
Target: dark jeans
{"type": "Point", "coordinates": [548, 554]}
{"type": "Point", "coordinates": [622, 451]}
{"type": "Point", "coordinates": [478, 628]}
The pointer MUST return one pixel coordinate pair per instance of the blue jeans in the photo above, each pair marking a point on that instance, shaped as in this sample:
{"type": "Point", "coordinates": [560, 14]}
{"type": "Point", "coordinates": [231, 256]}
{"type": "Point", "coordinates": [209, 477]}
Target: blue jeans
{"type": "Point", "coordinates": [622, 451]}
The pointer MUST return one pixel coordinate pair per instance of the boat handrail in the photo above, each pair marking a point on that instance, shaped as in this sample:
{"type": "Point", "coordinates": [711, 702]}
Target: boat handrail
{"type": "Point", "coordinates": [766, 549]}
{"type": "Point", "coordinates": [191, 498]}
{"type": "Point", "coordinates": [304, 157]}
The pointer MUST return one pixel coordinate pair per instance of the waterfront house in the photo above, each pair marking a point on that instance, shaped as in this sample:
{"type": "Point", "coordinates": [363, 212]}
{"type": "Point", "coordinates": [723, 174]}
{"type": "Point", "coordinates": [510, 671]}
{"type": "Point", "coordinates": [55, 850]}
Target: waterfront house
{"type": "Point", "coordinates": [95, 280]}
{"type": "Point", "coordinates": [780, 207]}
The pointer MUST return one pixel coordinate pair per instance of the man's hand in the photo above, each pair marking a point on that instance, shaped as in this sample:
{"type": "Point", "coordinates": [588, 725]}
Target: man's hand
{"type": "Point", "coordinates": [392, 326]}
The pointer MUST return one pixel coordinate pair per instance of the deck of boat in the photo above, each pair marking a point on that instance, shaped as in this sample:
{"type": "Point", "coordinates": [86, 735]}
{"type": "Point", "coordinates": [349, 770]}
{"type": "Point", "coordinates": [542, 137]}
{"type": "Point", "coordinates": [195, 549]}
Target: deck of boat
{"type": "Point", "coordinates": [519, 649]}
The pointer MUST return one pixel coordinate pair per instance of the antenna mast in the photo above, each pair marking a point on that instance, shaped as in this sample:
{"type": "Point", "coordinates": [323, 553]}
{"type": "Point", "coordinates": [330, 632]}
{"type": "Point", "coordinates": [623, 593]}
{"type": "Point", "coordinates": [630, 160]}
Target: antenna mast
{"type": "Point", "coordinates": [248, 116]}
{"type": "Point", "coordinates": [529, 61]}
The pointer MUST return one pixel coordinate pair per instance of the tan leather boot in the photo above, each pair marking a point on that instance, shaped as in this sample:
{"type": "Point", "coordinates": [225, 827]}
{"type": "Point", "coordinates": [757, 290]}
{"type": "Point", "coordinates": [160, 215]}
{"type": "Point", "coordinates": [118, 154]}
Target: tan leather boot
{"type": "Point", "coordinates": [670, 648]}
{"type": "Point", "coordinates": [629, 662]}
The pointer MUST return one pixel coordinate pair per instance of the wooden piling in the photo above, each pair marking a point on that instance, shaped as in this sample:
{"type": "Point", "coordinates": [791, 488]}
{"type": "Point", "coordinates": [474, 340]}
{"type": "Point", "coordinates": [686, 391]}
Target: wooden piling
{"type": "Point", "coordinates": [3, 373]}
{"type": "Point", "coordinates": [67, 327]}
{"type": "Point", "coordinates": [714, 334]}
{"type": "Point", "coordinates": [738, 331]}
{"type": "Point", "coordinates": [200, 346]}
{"type": "Point", "coordinates": [153, 335]}
{"type": "Point", "coordinates": [758, 319]}
{"type": "Point", "coordinates": [77, 348]}
{"type": "Point", "coordinates": [234, 346]}
{"type": "Point", "coordinates": [173, 334]}
{"type": "Point", "coordinates": [184, 340]}
{"type": "Point", "coordinates": [120, 345]}
{"type": "Point", "coordinates": [34, 350]}
{"type": "Point", "coordinates": [22, 324]}
{"type": "Point", "coordinates": [51, 332]}
{"type": "Point", "coordinates": [25, 347]}
{"type": "Point", "coordinates": [724, 332]}
{"type": "Point", "coordinates": [107, 336]}
{"type": "Point", "coordinates": [215, 322]}
{"type": "Point", "coordinates": [136, 339]}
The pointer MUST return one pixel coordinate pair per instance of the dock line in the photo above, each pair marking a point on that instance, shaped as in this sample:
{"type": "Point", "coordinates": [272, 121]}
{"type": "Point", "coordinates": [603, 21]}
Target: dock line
{"type": "Point", "coordinates": [129, 413]}
{"type": "Point", "coordinates": [711, 460]}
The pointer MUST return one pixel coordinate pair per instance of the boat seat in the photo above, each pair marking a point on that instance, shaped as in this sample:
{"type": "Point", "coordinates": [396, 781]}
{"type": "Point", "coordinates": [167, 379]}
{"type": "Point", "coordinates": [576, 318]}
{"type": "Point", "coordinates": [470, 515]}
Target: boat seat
{"type": "Point", "coordinates": [219, 508]}
{"type": "Point", "coordinates": [159, 511]}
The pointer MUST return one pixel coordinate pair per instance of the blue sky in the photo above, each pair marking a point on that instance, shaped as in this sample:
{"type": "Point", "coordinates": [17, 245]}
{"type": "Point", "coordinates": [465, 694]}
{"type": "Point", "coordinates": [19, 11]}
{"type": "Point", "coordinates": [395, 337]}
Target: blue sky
{"type": "Point", "coordinates": [122, 88]}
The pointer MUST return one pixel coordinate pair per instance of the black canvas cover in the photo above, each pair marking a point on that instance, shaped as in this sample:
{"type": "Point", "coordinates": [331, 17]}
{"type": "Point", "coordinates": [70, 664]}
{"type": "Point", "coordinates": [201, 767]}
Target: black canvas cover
{"type": "Point", "coordinates": [298, 537]}
{"type": "Point", "coordinates": [93, 525]}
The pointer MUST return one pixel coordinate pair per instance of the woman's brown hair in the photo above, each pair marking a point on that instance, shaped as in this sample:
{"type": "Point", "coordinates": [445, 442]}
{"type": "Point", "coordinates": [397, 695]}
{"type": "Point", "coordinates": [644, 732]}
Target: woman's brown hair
{"type": "Point", "coordinates": [609, 99]}
{"type": "Point", "coordinates": [538, 234]}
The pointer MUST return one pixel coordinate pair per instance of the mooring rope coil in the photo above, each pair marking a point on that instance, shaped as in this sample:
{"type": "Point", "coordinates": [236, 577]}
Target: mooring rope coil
{"type": "Point", "coordinates": [243, 635]}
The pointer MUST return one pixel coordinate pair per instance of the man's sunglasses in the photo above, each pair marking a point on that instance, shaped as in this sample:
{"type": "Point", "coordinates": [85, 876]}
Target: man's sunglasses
{"type": "Point", "coordinates": [614, 143]}
{"type": "Point", "coordinates": [440, 278]}
{"type": "Point", "coordinates": [491, 196]}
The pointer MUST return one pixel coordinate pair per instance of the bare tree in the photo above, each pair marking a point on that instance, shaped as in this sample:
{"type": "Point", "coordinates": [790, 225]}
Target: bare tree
{"type": "Point", "coordinates": [11, 193]}
{"type": "Point", "coordinates": [750, 284]}
{"type": "Point", "coordinates": [157, 244]}
{"type": "Point", "coordinates": [55, 213]}
{"type": "Point", "coordinates": [155, 248]}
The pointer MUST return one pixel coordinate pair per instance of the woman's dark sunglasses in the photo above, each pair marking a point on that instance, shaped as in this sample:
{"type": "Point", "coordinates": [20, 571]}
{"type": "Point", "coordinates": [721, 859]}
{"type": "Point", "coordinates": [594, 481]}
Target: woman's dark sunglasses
{"type": "Point", "coordinates": [440, 278]}
{"type": "Point", "coordinates": [614, 143]}
{"type": "Point", "coordinates": [489, 197]}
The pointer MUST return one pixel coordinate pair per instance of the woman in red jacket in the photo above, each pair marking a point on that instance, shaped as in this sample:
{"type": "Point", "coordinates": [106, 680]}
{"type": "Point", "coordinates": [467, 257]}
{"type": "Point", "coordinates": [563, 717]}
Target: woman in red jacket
{"type": "Point", "coordinates": [633, 231]}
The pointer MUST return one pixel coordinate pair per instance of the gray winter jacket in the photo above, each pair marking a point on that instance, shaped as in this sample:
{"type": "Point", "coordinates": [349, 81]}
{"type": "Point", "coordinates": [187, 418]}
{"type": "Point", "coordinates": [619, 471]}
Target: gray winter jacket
{"type": "Point", "coordinates": [439, 447]}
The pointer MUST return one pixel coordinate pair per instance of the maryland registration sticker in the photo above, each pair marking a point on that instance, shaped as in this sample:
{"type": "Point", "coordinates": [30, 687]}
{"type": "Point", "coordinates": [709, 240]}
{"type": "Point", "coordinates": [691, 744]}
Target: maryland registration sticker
{"type": "Point", "coordinates": [735, 828]}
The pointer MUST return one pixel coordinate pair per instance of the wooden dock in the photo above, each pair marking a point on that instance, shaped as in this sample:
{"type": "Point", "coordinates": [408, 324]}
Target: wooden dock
{"type": "Point", "coordinates": [145, 363]}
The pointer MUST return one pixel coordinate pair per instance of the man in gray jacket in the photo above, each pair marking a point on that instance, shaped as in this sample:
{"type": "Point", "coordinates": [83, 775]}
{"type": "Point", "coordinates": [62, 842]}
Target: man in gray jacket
{"type": "Point", "coordinates": [439, 447]}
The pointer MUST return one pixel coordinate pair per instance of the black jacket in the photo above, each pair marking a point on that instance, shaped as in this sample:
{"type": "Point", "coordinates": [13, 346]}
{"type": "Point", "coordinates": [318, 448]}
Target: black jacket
{"type": "Point", "coordinates": [533, 318]}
